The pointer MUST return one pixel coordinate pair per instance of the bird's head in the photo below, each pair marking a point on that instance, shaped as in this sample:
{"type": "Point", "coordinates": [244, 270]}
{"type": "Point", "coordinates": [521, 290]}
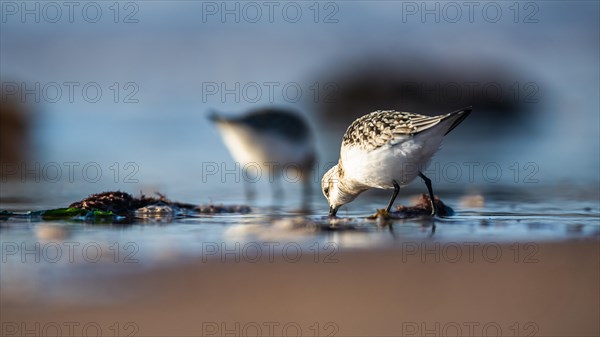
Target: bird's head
{"type": "Point", "coordinates": [334, 191]}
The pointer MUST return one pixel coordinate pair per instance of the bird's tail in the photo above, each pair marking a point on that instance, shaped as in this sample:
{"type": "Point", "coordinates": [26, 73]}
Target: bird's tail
{"type": "Point", "coordinates": [458, 116]}
{"type": "Point", "coordinates": [214, 117]}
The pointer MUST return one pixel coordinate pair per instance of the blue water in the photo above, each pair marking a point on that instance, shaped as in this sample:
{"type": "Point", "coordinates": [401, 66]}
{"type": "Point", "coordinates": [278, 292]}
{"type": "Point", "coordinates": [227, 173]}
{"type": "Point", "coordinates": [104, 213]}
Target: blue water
{"type": "Point", "coordinates": [43, 259]}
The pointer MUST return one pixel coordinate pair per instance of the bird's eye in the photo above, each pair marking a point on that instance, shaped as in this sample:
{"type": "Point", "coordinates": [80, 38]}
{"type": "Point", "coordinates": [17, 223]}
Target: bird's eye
{"type": "Point", "coordinates": [326, 191]}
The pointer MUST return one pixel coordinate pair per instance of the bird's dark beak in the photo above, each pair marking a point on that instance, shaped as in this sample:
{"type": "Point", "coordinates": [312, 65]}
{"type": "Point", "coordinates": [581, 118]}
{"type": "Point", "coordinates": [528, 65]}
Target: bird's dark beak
{"type": "Point", "coordinates": [332, 211]}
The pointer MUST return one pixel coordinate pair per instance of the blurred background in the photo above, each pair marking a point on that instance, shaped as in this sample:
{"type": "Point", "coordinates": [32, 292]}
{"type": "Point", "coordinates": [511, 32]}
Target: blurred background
{"type": "Point", "coordinates": [124, 89]}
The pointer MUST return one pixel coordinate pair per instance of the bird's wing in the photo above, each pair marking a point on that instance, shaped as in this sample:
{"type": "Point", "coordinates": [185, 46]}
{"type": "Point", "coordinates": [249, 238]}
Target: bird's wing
{"type": "Point", "coordinates": [384, 127]}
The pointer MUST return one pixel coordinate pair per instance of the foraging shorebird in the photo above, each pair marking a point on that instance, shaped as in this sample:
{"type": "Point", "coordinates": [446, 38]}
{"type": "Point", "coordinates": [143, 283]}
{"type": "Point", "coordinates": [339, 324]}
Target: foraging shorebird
{"type": "Point", "coordinates": [386, 150]}
{"type": "Point", "coordinates": [272, 140]}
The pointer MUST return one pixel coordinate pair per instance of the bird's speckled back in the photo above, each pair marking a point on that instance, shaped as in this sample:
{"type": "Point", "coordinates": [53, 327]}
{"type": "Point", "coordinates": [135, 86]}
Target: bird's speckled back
{"type": "Point", "coordinates": [380, 127]}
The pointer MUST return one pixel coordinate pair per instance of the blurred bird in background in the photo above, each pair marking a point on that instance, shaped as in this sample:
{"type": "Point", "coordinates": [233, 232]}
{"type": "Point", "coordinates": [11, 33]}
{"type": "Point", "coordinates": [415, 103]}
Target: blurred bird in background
{"type": "Point", "coordinates": [270, 141]}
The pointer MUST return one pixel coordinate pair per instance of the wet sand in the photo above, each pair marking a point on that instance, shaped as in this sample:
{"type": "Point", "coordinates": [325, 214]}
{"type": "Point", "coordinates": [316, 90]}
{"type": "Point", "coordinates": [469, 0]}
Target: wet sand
{"type": "Point", "coordinates": [551, 289]}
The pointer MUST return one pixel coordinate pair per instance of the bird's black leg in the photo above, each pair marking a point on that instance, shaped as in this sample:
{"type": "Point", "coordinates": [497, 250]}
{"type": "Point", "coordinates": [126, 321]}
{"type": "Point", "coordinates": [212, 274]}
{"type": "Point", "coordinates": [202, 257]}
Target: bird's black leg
{"type": "Point", "coordinates": [249, 187]}
{"type": "Point", "coordinates": [306, 186]}
{"type": "Point", "coordinates": [396, 190]}
{"type": "Point", "coordinates": [277, 184]}
{"type": "Point", "coordinates": [306, 194]}
{"type": "Point", "coordinates": [428, 184]}
{"type": "Point", "coordinates": [278, 189]}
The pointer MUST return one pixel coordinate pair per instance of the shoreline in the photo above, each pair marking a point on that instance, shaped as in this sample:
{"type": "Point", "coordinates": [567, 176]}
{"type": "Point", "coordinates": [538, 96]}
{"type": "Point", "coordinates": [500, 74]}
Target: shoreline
{"type": "Point", "coordinates": [552, 291]}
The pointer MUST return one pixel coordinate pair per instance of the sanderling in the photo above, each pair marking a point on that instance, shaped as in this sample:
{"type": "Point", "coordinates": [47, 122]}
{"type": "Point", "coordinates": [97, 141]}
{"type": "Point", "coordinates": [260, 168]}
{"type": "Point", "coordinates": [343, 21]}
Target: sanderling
{"type": "Point", "coordinates": [386, 150]}
{"type": "Point", "coordinates": [271, 140]}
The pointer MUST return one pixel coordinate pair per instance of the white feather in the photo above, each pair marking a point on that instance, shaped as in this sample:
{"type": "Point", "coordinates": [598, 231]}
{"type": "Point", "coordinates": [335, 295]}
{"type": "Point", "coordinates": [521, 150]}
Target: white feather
{"type": "Point", "coordinates": [400, 160]}
{"type": "Point", "coordinates": [247, 146]}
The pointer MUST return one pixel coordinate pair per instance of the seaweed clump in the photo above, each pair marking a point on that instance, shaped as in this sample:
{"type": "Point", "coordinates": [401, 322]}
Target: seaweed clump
{"type": "Point", "coordinates": [119, 203]}
{"type": "Point", "coordinates": [124, 204]}
{"type": "Point", "coordinates": [423, 207]}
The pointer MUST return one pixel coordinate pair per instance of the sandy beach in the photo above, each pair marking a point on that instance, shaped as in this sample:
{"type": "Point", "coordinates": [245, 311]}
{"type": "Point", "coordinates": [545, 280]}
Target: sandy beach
{"type": "Point", "coordinates": [551, 289]}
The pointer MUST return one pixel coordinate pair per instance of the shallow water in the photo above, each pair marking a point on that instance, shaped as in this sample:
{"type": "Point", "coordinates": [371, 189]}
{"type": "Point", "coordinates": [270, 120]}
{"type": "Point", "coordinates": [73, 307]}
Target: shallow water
{"type": "Point", "coordinates": [48, 260]}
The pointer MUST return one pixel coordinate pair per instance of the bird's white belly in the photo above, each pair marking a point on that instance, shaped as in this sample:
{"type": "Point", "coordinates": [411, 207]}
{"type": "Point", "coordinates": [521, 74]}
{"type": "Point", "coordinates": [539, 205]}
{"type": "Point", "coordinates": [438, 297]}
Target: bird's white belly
{"type": "Point", "coordinates": [251, 148]}
{"type": "Point", "coordinates": [401, 162]}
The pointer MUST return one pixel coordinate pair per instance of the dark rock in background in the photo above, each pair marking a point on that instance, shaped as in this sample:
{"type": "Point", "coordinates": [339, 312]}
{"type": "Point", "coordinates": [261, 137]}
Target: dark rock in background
{"type": "Point", "coordinates": [501, 98]}
{"type": "Point", "coordinates": [15, 134]}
